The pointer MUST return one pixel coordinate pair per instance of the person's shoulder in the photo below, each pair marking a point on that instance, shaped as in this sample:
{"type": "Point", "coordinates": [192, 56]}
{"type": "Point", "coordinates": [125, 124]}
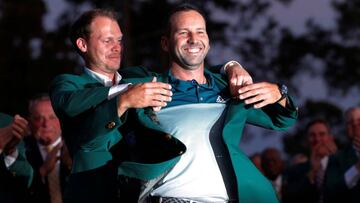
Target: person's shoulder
{"type": "Point", "coordinates": [346, 154]}
{"type": "Point", "coordinates": [217, 76]}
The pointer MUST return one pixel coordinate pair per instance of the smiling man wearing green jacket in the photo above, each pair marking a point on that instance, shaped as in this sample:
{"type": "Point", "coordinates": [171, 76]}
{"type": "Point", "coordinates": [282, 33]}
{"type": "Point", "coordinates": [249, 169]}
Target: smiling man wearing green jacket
{"type": "Point", "coordinates": [188, 151]}
{"type": "Point", "coordinates": [92, 106]}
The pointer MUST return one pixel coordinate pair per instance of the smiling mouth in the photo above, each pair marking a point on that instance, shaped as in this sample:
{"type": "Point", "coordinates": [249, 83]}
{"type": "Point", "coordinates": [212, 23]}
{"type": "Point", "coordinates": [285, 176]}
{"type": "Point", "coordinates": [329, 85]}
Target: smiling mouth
{"type": "Point", "coordinates": [114, 57]}
{"type": "Point", "coordinates": [193, 50]}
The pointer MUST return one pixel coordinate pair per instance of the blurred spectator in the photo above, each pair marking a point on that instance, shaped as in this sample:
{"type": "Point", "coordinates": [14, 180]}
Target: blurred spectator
{"type": "Point", "coordinates": [46, 152]}
{"type": "Point", "coordinates": [349, 160]}
{"type": "Point", "coordinates": [273, 166]}
{"type": "Point", "coordinates": [15, 172]}
{"type": "Point", "coordinates": [316, 179]}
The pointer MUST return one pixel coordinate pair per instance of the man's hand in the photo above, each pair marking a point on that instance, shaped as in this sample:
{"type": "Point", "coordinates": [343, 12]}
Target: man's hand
{"type": "Point", "coordinates": [325, 148]}
{"type": "Point", "coordinates": [322, 149]}
{"type": "Point", "coordinates": [150, 94]}
{"type": "Point", "coordinates": [50, 161]}
{"type": "Point", "coordinates": [260, 94]}
{"type": "Point", "coordinates": [315, 163]}
{"type": "Point", "coordinates": [11, 135]}
{"type": "Point", "coordinates": [237, 76]}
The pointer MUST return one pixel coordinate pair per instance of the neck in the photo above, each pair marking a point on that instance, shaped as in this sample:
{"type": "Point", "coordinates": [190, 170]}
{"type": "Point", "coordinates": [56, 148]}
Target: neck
{"type": "Point", "coordinates": [110, 75]}
{"type": "Point", "coordinates": [187, 74]}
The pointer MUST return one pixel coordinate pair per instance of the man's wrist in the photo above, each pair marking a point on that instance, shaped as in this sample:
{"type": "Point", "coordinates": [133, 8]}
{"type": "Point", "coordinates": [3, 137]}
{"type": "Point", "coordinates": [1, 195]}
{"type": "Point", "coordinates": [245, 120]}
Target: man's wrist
{"type": "Point", "coordinates": [122, 106]}
{"type": "Point", "coordinates": [117, 89]}
{"type": "Point", "coordinates": [283, 92]}
{"type": "Point", "coordinates": [228, 65]}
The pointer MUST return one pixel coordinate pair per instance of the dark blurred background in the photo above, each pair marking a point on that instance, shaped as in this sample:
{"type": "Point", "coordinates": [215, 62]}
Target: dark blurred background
{"type": "Point", "coordinates": [313, 46]}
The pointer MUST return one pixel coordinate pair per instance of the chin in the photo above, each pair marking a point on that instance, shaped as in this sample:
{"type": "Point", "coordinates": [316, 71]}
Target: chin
{"type": "Point", "coordinates": [114, 68]}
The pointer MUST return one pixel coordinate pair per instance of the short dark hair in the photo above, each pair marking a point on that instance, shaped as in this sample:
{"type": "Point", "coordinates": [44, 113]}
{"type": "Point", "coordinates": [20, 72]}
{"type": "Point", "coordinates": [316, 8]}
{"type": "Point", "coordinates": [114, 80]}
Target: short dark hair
{"type": "Point", "coordinates": [81, 27]}
{"type": "Point", "coordinates": [316, 121]}
{"type": "Point", "coordinates": [180, 8]}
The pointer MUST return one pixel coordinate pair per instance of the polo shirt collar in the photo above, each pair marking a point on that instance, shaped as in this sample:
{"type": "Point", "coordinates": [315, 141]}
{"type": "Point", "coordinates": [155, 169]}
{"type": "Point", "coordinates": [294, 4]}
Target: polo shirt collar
{"type": "Point", "coordinates": [184, 86]}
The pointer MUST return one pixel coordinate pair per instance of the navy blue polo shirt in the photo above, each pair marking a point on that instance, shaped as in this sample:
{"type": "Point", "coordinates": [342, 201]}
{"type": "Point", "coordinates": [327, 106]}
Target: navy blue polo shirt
{"type": "Point", "coordinates": [190, 91]}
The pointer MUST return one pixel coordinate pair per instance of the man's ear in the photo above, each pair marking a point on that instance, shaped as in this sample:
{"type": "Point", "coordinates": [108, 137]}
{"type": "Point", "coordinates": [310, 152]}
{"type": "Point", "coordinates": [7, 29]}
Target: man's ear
{"type": "Point", "coordinates": [81, 44]}
{"type": "Point", "coordinates": [164, 43]}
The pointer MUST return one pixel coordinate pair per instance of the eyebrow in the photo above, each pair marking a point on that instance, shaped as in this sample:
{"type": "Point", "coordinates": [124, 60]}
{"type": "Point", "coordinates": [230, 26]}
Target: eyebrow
{"type": "Point", "coordinates": [180, 29]}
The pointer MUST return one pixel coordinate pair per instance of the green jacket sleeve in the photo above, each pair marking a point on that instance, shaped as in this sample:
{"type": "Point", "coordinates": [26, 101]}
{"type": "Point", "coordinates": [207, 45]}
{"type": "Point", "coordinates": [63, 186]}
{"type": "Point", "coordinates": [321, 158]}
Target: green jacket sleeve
{"type": "Point", "coordinates": [72, 95]}
{"type": "Point", "coordinates": [89, 120]}
{"type": "Point", "coordinates": [274, 116]}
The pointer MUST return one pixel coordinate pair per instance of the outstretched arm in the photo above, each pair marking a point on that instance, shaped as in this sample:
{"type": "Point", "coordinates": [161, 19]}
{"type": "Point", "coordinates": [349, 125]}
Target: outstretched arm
{"type": "Point", "coordinates": [149, 94]}
{"type": "Point", "coordinates": [236, 74]}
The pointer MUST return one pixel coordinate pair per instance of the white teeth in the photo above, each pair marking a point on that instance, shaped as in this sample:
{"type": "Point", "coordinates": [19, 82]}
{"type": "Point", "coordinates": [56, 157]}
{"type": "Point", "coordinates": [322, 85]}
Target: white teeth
{"type": "Point", "coordinates": [194, 50]}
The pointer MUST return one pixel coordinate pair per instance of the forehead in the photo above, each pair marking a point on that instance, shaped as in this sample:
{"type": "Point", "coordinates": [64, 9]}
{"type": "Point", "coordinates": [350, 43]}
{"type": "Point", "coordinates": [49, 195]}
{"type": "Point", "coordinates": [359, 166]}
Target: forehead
{"type": "Point", "coordinates": [187, 18]}
{"type": "Point", "coordinates": [40, 105]}
{"type": "Point", "coordinates": [103, 24]}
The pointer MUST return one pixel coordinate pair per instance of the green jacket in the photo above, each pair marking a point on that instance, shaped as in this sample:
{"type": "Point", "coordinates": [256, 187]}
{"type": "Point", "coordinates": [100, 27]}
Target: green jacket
{"type": "Point", "coordinates": [89, 123]}
{"type": "Point", "coordinates": [252, 186]}
{"type": "Point", "coordinates": [90, 127]}
{"type": "Point", "coordinates": [17, 178]}
{"type": "Point", "coordinates": [88, 119]}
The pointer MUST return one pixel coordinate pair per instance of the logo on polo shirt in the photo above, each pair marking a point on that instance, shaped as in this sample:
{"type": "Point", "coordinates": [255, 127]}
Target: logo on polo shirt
{"type": "Point", "coordinates": [220, 100]}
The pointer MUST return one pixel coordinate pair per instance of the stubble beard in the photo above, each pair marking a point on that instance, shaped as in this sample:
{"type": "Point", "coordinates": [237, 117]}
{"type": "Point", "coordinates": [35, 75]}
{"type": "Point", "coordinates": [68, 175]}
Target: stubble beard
{"type": "Point", "coordinates": [189, 62]}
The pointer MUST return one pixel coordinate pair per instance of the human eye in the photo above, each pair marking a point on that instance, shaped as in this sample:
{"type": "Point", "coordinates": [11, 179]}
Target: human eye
{"type": "Point", "coordinates": [182, 32]}
{"type": "Point", "coordinates": [201, 32]}
{"type": "Point", "coordinates": [108, 40]}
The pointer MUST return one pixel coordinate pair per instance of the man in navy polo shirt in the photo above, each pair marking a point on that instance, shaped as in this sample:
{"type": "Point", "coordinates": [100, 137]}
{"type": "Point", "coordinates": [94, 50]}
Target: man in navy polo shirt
{"type": "Point", "coordinates": [202, 127]}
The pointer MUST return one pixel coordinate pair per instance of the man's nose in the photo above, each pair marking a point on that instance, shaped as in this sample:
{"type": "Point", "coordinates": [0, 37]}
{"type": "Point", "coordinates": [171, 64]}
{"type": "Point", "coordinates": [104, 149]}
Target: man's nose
{"type": "Point", "coordinates": [117, 47]}
{"type": "Point", "coordinates": [45, 122]}
{"type": "Point", "coordinates": [192, 38]}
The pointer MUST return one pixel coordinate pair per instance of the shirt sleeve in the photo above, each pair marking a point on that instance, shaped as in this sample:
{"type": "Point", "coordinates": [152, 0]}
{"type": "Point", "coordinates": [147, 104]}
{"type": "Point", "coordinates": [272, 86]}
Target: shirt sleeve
{"type": "Point", "coordinates": [117, 89]}
{"type": "Point", "coordinates": [11, 158]}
